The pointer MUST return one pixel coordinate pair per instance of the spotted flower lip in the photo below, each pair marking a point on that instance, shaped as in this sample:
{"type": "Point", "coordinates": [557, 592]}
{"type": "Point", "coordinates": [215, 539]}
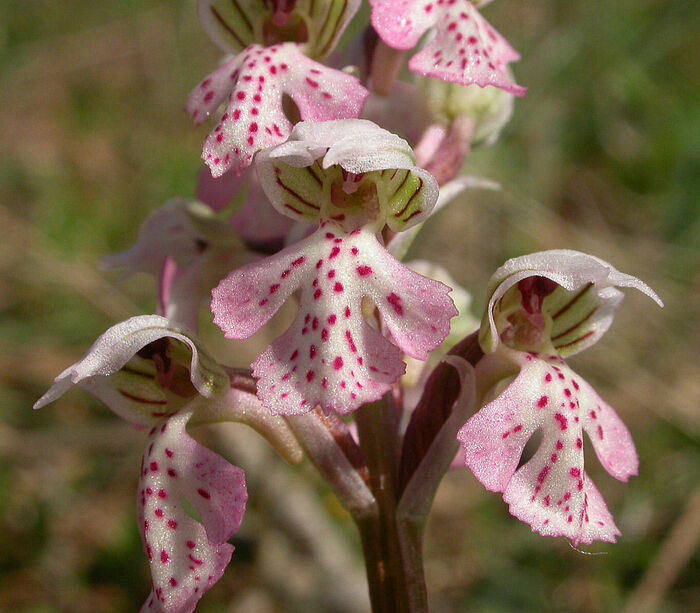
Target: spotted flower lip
{"type": "Point", "coordinates": [580, 302]}
{"type": "Point", "coordinates": [317, 25]}
{"type": "Point", "coordinates": [464, 50]}
{"type": "Point", "coordinates": [551, 492]}
{"type": "Point", "coordinates": [299, 176]}
{"type": "Point", "coordinates": [331, 356]}
{"type": "Point", "coordinates": [131, 369]}
{"type": "Point", "coordinates": [253, 84]}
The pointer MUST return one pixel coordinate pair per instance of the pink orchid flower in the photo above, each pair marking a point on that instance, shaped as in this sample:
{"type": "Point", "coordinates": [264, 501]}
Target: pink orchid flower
{"type": "Point", "coordinates": [351, 178]}
{"type": "Point", "coordinates": [544, 307]}
{"type": "Point", "coordinates": [139, 369]}
{"type": "Point", "coordinates": [465, 48]}
{"type": "Point", "coordinates": [254, 80]}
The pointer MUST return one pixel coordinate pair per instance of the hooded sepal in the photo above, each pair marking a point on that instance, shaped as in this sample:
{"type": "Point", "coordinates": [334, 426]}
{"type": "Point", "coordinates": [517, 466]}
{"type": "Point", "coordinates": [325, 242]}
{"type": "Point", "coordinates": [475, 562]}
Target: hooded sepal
{"type": "Point", "coordinates": [236, 25]}
{"type": "Point", "coordinates": [139, 369]}
{"type": "Point", "coordinates": [186, 557]}
{"type": "Point", "coordinates": [558, 300]}
{"type": "Point", "coordinates": [331, 355]}
{"type": "Point", "coordinates": [254, 83]}
{"type": "Point", "coordinates": [465, 49]}
{"type": "Point", "coordinates": [551, 492]}
{"type": "Point", "coordinates": [347, 168]}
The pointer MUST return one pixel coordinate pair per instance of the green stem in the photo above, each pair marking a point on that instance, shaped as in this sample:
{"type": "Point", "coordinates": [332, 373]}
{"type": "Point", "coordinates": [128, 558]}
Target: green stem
{"type": "Point", "coordinates": [393, 559]}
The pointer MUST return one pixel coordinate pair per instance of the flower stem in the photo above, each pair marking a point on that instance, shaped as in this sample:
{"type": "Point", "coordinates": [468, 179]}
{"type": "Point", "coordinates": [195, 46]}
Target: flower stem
{"type": "Point", "coordinates": [393, 560]}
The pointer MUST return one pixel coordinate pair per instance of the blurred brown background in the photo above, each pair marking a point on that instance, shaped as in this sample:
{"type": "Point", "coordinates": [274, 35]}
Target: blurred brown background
{"type": "Point", "coordinates": [601, 156]}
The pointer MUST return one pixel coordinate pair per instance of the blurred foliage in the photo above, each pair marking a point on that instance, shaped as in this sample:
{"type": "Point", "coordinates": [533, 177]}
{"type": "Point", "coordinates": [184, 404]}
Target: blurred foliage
{"type": "Point", "coordinates": [602, 156]}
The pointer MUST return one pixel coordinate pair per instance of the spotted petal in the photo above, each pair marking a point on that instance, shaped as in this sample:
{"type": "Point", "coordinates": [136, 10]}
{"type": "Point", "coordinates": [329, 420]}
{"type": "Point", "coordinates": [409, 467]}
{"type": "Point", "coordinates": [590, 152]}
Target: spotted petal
{"type": "Point", "coordinates": [551, 491]}
{"type": "Point", "coordinates": [297, 175]}
{"type": "Point", "coordinates": [186, 557]}
{"type": "Point", "coordinates": [331, 355]}
{"type": "Point", "coordinates": [133, 386]}
{"type": "Point", "coordinates": [254, 82]}
{"type": "Point", "coordinates": [465, 49]}
{"type": "Point", "coordinates": [581, 307]}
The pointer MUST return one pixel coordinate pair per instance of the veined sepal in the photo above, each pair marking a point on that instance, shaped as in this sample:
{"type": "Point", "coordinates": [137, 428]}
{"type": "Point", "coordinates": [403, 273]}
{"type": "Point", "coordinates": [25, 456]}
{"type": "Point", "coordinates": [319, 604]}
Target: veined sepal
{"type": "Point", "coordinates": [235, 24]}
{"type": "Point", "coordinates": [143, 369]}
{"type": "Point", "coordinates": [560, 301]}
{"type": "Point", "coordinates": [347, 169]}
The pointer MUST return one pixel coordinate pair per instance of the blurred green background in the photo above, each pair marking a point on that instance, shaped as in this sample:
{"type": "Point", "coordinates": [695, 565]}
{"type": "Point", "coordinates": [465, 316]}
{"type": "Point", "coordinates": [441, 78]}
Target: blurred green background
{"type": "Point", "coordinates": [601, 156]}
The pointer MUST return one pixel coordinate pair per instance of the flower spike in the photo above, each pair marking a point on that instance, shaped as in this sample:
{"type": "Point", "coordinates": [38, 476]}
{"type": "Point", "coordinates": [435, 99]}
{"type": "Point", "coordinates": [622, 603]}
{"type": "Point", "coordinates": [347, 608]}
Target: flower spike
{"type": "Point", "coordinates": [465, 49]}
{"type": "Point", "coordinates": [541, 307]}
{"type": "Point", "coordinates": [254, 82]}
{"type": "Point", "coordinates": [331, 355]}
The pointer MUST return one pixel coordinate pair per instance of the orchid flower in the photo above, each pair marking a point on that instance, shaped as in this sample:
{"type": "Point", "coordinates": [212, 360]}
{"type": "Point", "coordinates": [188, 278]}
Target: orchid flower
{"type": "Point", "coordinates": [543, 308]}
{"type": "Point", "coordinates": [254, 80]}
{"type": "Point", "coordinates": [139, 369]}
{"type": "Point", "coordinates": [465, 48]}
{"type": "Point", "coordinates": [189, 249]}
{"type": "Point", "coordinates": [351, 178]}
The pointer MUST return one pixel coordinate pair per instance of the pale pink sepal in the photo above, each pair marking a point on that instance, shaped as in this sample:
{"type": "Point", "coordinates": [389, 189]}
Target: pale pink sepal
{"type": "Point", "coordinates": [574, 272]}
{"type": "Point", "coordinates": [464, 50]}
{"type": "Point", "coordinates": [186, 557]}
{"type": "Point", "coordinates": [296, 175]}
{"type": "Point", "coordinates": [254, 82]}
{"type": "Point", "coordinates": [255, 221]}
{"type": "Point", "coordinates": [551, 491]}
{"type": "Point", "coordinates": [135, 394]}
{"type": "Point", "coordinates": [167, 232]}
{"type": "Point", "coordinates": [331, 355]}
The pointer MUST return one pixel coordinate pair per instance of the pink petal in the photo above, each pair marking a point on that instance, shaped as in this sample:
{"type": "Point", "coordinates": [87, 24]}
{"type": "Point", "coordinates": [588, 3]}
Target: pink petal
{"type": "Point", "coordinates": [254, 117]}
{"type": "Point", "coordinates": [186, 557]}
{"type": "Point", "coordinates": [465, 50]}
{"type": "Point", "coordinates": [551, 491]}
{"type": "Point", "coordinates": [330, 355]}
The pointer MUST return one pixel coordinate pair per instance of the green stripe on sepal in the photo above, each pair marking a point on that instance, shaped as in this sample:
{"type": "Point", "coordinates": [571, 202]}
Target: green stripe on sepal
{"type": "Point", "coordinates": [234, 24]}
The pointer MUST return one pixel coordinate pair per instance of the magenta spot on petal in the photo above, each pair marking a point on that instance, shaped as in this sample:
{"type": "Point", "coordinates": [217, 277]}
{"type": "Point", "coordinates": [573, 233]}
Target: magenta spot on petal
{"type": "Point", "coordinates": [240, 95]}
{"type": "Point", "coordinates": [154, 466]}
{"type": "Point", "coordinates": [560, 445]}
{"type": "Point", "coordinates": [204, 494]}
{"type": "Point", "coordinates": [172, 524]}
{"type": "Point", "coordinates": [542, 402]}
{"type": "Point", "coordinates": [158, 512]}
{"type": "Point", "coordinates": [562, 421]}
{"type": "Point", "coordinates": [310, 376]}
{"type": "Point", "coordinates": [169, 452]}
{"type": "Point", "coordinates": [338, 363]}
{"type": "Point", "coordinates": [172, 473]}
{"type": "Point", "coordinates": [338, 287]}
{"type": "Point", "coordinates": [600, 432]}
{"type": "Point", "coordinates": [395, 302]}
{"type": "Point", "coordinates": [347, 312]}
{"type": "Point", "coordinates": [190, 544]}
{"type": "Point", "coordinates": [334, 252]}
{"type": "Point", "coordinates": [173, 581]}
{"type": "Point", "coordinates": [364, 271]}
{"type": "Point", "coordinates": [162, 494]}
{"type": "Point", "coordinates": [164, 557]}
